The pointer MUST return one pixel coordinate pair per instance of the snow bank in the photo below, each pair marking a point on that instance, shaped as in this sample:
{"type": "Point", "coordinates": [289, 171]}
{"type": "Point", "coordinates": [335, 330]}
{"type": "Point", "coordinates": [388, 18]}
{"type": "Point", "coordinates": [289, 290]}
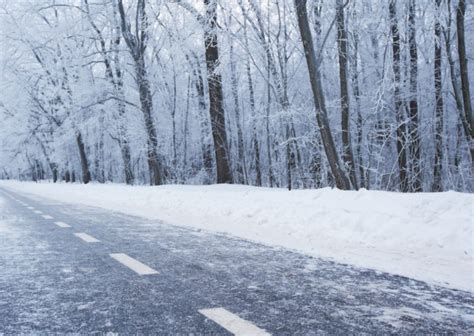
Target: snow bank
{"type": "Point", "coordinates": [423, 236]}
{"type": "Point", "coordinates": [4, 228]}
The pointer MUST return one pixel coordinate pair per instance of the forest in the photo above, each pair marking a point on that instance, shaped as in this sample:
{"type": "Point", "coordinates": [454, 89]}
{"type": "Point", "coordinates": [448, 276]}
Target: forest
{"type": "Point", "coordinates": [277, 93]}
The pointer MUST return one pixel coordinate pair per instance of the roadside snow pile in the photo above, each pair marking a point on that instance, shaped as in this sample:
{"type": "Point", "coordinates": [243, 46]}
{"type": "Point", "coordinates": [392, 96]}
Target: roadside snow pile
{"type": "Point", "coordinates": [423, 236]}
{"type": "Point", "coordinates": [4, 228]}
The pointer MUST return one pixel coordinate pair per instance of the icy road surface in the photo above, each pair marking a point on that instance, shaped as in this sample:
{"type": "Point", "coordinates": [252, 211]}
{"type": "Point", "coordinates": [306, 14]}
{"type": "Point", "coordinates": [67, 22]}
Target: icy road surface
{"type": "Point", "coordinates": [72, 269]}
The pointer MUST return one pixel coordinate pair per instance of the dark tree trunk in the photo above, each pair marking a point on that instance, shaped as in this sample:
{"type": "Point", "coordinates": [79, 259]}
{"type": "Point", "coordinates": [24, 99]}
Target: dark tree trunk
{"type": "Point", "coordinates": [52, 165]}
{"type": "Point", "coordinates": [437, 181]}
{"type": "Point", "coordinates": [359, 121]}
{"type": "Point", "coordinates": [463, 126]}
{"type": "Point", "coordinates": [415, 146]}
{"type": "Point", "coordinates": [256, 146]}
{"type": "Point", "coordinates": [342, 181]}
{"type": "Point", "coordinates": [186, 126]}
{"type": "Point", "coordinates": [147, 108]}
{"type": "Point", "coordinates": [466, 93]}
{"type": "Point", "coordinates": [54, 170]}
{"type": "Point", "coordinates": [67, 176]}
{"type": "Point", "coordinates": [399, 111]}
{"type": "Point", "coordinates": [124, 142]}
{"type": "Point", "coordinates": [271, 174]}
{"type": "Point", "coordinates": [241, 164]}
{"type": "Point", "coordinates": [173, 119]}
{"type": "Point", "coordinates": [137, 45]}
{"type": "Point", "coordinates": [206, 150]}
{"type": "Point", "coordinates": [347, 156]}
{"type": "Point", "coordinates": [125, 151]}
{"type": "Point", "coordinates": [99, 174]}
{"type": "Point", "coordinates": [86, 175]}
{"type": "Point", "coordinates": [198, 82]}
{"type": "Point", "coordinates": [127, 160]}
{"type": "Point", "coordinates": [289, 158]}
{"type": "Point", "coordinates": [216, 107]}
{"type": "Point", "coordinates": [204, 116]}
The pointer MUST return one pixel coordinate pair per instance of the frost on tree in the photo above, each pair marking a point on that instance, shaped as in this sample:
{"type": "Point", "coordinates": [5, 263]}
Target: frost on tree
{"type": "Point", "coordinates": [275, 93]}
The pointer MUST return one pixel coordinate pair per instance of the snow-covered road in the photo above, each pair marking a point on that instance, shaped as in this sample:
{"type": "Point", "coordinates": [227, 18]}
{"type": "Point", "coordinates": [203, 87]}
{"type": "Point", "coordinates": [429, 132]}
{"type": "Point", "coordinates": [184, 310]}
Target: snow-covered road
{"type": "Point", "coordinates": [78, 269]}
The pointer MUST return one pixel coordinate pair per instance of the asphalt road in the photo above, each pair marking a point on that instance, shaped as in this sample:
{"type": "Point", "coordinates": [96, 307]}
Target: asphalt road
{"type": "Point", "coordinates": [145, 277]}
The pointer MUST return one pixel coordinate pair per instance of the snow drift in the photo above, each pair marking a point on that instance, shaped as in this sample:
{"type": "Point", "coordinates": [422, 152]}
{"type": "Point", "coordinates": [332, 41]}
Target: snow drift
{"type": "Point", "coordinates": [425, 236]}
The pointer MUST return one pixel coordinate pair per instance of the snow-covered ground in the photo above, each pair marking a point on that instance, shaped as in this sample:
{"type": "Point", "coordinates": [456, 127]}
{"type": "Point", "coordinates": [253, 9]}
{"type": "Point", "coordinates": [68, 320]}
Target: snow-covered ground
{"type": "Point", "coordinates": [423, 236]}
{"type": "Point", "coordinates": [3, 224]}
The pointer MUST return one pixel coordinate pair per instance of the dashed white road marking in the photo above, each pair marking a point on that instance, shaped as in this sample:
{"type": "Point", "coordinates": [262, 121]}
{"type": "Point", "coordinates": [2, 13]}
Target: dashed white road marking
{"type": "Point", "coordinates": [31, 208]}
{"type": "Point", "coordinates": [38, 212]}
{"type": "Point", "coordinates": [232, 322]}
{"type": "Point", "coordinates": [87, 238]}
{"type": "Point", "coordinates": [47, 217]}
{"type": "Point", "coordinates": [133, 264]}
{"type": "Point", "coordinates": [62, 224]}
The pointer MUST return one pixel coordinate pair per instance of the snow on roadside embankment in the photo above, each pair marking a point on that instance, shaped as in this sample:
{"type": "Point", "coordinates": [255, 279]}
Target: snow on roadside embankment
{"type": "Point", "coordinates": [423, 236]}
{"type": "Point", "coordinates": [3, 225]}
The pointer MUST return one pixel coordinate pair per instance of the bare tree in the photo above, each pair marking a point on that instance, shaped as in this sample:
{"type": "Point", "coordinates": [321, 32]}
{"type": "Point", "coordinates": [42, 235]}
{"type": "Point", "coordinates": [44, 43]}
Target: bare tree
{"type": "Point", "coordinates": [342, 182]}
{"type": "Point", "coordinates": [216, 107]}
{"type": "Point", "coordinates": [205, 129]}
{"type": "Point", "coordinates": [438, 118]}
{"type": "Point", "coordinates": [241, 164]}
{"type": "Point", "coordinates": [255, 138]}
{"type": "Point", "coordinates": [466, 93]}
{"type": "Point", "coordinates": [347, 156]}
{"type": "Point", "coordinates": [414, 136]}
{"type": "Point", "coordinates": [152, 91]}
{"type": "Point", "coordinates": [114, 73]}
{"type": "Point", "coordinates": [137, 45]}
{"type": "Point", "coordinates": [399, 106]}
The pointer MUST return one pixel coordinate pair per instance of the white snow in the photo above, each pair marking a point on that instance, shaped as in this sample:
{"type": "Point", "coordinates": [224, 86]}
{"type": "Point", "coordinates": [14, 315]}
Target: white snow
{"type": "Point", "coordinates": [424, 236]}
{"type": "Point", "coordinates": [3, 225]}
